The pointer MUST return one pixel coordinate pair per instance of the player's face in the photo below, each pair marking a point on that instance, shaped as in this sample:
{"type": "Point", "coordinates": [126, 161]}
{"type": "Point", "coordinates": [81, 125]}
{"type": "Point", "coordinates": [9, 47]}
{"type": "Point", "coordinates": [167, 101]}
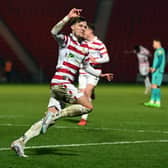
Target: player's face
{"type": "Point", "coordinates": [155, 44]}
{"type": "Point", "coordinates": [78, 29]}
{"type": "Point", "coordinates": [87, 33]}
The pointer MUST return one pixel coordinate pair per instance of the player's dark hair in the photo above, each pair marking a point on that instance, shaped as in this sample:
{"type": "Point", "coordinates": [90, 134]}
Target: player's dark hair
{"type": "Point", "coordinates": [91, 26]}
{"type": "Point", "coordinates": [77, 20]}
{"type": "Point", "coordinates": [137, 48]}
{"type": "Point", "coordinates": [157, 39]}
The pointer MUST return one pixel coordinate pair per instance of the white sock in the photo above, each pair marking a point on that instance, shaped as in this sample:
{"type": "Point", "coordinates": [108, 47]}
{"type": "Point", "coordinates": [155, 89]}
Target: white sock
{"type": "Point", "coordinates": [84, 116]}
{"type": "Point", "coordinates": [157, 102]}
{"type": "Point", "coordinates": [33, 131]}
{"type": "Point", "coordinates": [147, 82]}
{"type": "Point", "coordinates": [74, 110]}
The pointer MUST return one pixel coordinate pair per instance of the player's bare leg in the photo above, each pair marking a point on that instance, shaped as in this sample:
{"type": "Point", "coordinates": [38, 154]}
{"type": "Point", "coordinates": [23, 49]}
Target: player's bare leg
{"type": "Point", "coordinates": [88, 91]}
{"type": "Point", "coordinates": [82, 106]}
{"type": "Point", "coordinates": [147, 85]}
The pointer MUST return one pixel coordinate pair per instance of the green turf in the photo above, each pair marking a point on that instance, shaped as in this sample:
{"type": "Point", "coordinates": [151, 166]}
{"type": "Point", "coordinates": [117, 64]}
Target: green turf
{"type": "Point", "coordinates": [135, 133]}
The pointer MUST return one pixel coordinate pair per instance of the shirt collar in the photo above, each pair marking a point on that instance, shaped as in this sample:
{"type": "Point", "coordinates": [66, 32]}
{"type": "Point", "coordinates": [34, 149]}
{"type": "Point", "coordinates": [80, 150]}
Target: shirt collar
{"type": "Point", "coordinates": [94, 39]}
{"type": "Point", "coordinates": [73, 37]}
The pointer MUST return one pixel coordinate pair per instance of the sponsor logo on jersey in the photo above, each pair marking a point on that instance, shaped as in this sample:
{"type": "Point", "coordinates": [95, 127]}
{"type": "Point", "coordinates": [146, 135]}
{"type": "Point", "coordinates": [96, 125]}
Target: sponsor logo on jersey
{"type": "Point", "coordinates": [71, 55]}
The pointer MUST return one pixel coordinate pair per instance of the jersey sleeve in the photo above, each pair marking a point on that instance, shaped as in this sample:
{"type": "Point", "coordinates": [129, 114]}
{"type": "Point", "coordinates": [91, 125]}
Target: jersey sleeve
{"type": "Point", "coordinates": [88, 68]}
{"type": "Point", "coordinates": [104, 56]}
{"type": "Point", "coordinates": [61, 39]}
{"type": "Point", "coordinates": [55, 31]}
{"type": "Point", "coordinates": [159, 60]}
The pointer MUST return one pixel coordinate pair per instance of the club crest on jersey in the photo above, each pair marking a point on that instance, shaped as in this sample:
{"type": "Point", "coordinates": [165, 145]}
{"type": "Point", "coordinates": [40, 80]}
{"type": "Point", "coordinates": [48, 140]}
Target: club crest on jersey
{"type": "Point", "coordinates": [160, 51]}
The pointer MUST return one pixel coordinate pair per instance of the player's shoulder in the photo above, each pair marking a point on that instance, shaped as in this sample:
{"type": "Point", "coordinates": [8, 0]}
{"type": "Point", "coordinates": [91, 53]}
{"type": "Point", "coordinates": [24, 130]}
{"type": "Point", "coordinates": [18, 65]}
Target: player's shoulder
{"type": "Point", "coordinates": [97, 41]}
{"type": "Point", "coordinates": [100, 41]}
{"type": "Point", "coordinates": [160, 51]}
{"type": "Point", "coordinates": [84, 44]}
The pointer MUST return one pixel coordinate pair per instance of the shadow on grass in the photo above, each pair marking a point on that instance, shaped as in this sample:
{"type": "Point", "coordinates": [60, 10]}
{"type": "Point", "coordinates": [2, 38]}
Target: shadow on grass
{"type": "Point", "coordinates": [71, 120]}
{"type": "Point", "coordinates": [49, 151]}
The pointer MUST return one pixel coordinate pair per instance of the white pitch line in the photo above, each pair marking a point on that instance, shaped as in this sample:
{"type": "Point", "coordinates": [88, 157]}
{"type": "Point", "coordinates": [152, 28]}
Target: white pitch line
{"type": "Point", "coordinates": [92, 144]}
{"type": "Point", "coordinates": [11, 116]}
{"type": "Point", "coordinates": [91, 128]}
{"type": "Point", "coordinates": [15, 125]}
{"type": "Point", "coordinates": [114, 129]}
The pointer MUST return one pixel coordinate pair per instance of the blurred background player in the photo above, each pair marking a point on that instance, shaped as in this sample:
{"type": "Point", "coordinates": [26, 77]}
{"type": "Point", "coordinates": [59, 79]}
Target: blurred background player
{"type": "Point", "coordinates": [157, 71]}
{"type": "Point", "coordinates": [8, 70]}
{"type": "Point", "coordinates": [97, 54]}
{"type": "Point", "coordinates": [143, 54]}
{"type": "Point", "coordinates": [72, 53]}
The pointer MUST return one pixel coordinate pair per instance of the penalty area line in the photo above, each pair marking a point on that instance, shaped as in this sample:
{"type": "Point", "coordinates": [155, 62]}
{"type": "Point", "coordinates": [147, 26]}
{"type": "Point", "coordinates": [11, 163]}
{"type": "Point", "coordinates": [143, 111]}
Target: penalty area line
{"type": "Point", "coordinates": [92, 144]}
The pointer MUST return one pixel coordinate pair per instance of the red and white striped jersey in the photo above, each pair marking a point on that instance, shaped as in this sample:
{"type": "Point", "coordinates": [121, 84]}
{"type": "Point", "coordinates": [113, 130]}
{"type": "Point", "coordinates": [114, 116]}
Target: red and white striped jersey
{"type": "Point", "coordinates": [97, 50]}
{"type": "Point", "coordinates": [143, 55]}
{"type": "Point", "coordinates": [71, 55]}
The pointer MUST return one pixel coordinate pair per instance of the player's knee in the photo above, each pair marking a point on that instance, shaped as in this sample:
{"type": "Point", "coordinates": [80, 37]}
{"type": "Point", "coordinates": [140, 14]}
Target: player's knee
{"type": "Point", "coordinates": [90, 108]}
{"type": "Point", "coordinates": [52, 109]}
{"type": "Point", "coordinates": [54, 105]}
{"type": "Point", "coordinates": [86, 109]}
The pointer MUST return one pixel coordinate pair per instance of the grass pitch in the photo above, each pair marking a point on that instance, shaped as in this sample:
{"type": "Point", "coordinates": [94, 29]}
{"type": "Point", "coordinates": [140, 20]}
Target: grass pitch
{"type": "Point", "coordinates": [121, 132]}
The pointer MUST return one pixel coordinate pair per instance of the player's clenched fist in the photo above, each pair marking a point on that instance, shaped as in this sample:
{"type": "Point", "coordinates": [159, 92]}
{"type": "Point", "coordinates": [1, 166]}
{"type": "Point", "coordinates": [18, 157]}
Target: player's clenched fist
{"type": "Point", "coordinates": [74, 13]}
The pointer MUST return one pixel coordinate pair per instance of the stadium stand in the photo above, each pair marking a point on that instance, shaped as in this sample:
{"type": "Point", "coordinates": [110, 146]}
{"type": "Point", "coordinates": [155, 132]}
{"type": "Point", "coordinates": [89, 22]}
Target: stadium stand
{"type": "Point", "coordinates": [31, 22]}
{"type": "Point", "coordinates": [133, 22]}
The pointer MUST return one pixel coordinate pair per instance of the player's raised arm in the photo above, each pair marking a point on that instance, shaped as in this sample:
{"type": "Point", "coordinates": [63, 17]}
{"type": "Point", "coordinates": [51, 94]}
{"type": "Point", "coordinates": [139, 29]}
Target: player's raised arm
{"type": "Point", "coordinates": [145, 51]}
{"type": "Point", "coordinates": [58, 27]}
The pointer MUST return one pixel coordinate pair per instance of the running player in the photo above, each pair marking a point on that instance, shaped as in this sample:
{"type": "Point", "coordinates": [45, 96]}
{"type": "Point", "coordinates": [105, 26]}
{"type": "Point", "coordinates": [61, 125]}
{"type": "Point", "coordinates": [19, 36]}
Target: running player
{"type": "Point", "coordinates": [143, 55]}
{"type": "Point", "coordinates": [72, 53]}
{"type": "Point", "coordinates": [157, 71]}
{"type": "Point", "coordinates": [97, 54]}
